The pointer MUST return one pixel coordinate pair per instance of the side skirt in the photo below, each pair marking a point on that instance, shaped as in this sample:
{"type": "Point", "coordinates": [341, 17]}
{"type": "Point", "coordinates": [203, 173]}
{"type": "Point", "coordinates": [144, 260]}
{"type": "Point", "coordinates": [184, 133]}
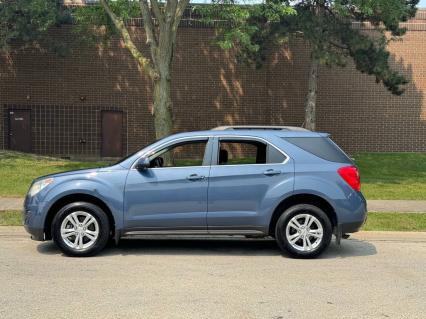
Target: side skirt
{"type": "Point", "coordinates": [192, 233]}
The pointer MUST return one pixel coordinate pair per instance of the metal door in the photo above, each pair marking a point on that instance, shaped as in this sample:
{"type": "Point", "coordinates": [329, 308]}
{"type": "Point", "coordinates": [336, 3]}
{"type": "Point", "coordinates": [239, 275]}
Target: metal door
{"type": "Point", "coordinates": [20, 130]}
{"type": "Point", "coordinates": [112, 134]}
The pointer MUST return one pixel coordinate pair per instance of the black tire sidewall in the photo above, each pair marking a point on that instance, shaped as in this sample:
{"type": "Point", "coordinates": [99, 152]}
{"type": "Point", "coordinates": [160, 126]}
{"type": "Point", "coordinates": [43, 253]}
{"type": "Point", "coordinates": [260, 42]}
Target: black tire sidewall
{"type": "Point", "coordinates": [97, 213]}
{"type": "Point", "coordinates": [287, 215]}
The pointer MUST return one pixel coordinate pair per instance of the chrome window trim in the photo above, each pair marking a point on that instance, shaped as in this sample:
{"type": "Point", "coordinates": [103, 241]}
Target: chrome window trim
{"type": "Point", "coordinates": [159, 147]}
{"type": "Point", "coordinates": [287, 157]}
{"type": "Point", "coordinates": [190, 138]}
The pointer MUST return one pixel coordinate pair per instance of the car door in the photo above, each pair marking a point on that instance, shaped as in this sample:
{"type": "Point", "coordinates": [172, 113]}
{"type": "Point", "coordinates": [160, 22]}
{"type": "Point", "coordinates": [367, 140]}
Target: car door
{"type": "Point", "coordinates": [247, 177]}
{"type": "Point", "coordinates": [172, 193]}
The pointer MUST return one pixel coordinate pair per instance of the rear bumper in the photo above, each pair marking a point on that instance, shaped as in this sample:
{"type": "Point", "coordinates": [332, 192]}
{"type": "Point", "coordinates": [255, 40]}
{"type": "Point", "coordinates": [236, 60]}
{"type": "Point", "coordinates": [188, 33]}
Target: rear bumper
{"type": "Point", "coordinates": [352, 214]}
{"type": "Point", "coordinates": [352, 227]}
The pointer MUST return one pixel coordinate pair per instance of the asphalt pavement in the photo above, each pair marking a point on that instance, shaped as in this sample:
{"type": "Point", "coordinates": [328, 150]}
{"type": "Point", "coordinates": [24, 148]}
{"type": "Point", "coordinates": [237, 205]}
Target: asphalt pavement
{"type": "Point", "coordinates": [372, 275]}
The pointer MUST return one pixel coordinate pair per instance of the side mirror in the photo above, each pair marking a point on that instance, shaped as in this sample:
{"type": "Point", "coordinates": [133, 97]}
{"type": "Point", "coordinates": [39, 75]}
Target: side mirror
{"type": "Point", "coordinates": [143, 163]}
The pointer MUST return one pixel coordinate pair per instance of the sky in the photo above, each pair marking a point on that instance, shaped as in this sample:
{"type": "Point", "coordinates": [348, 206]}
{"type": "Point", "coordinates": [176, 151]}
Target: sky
{"type": "Point", "coordinates": [422, 4]}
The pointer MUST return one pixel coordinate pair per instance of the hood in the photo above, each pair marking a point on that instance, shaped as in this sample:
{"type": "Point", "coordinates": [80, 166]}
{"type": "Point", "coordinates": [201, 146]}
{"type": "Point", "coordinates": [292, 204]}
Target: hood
{"type": "Point", "coordinates": [75, 172]}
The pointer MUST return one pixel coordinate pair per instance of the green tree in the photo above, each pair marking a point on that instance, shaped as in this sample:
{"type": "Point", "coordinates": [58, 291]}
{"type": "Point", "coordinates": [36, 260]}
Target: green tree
{"type": "Point", "coordinates": [327, 25]}
{"type": "Point", "coordinates": [26, 23]}
{"type": "Point", "coordinates": [160, 22]}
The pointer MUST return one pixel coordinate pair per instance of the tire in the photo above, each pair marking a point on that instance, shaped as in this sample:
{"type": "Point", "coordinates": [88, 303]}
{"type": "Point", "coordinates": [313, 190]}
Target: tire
{"type": "Point", "coordinates": [304, 241]}
{"type": "Point", "coordinates": [84, 238]}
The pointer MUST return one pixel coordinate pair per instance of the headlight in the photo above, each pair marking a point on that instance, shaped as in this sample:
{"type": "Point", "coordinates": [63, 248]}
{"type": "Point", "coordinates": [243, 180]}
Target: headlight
{"type": "Point", "coordinates": [39, 185]}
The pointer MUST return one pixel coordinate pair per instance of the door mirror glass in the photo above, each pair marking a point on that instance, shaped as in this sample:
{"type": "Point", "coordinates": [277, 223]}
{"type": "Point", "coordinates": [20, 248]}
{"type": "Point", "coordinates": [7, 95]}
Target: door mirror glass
{"type": "Point", "coordinates": [143, 163]}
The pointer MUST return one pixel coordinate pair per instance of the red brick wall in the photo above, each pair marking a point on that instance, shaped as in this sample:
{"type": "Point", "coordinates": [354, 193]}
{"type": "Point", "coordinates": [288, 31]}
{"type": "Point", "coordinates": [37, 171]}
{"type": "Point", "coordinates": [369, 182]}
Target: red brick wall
{"type": "Point", "coordinates": [210, 89]}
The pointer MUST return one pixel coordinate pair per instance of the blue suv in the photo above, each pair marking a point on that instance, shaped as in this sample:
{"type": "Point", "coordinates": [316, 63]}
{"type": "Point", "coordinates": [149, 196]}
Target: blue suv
{"type": "Point", "coordinates": [289, 183]}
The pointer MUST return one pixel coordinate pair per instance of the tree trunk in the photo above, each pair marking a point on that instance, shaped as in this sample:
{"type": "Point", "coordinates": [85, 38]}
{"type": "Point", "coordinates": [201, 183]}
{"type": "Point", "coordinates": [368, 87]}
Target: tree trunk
{"type": "Point", "coordinates": [163, 117]}
{"type": "Point", "coordinates": [311, 97]}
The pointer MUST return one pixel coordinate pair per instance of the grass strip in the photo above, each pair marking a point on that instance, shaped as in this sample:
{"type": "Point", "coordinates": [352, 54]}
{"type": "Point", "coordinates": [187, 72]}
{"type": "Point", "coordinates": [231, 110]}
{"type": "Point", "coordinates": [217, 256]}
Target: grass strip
{"type": "Point", "coordinates": [375, 221]}
{"type": "Point", "coordinates": [10, 218]}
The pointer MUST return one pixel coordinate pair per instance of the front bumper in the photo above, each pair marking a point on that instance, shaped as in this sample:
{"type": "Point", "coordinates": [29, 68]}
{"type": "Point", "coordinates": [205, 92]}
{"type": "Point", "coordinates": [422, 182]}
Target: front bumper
{"type": "Point", "coordinates": [36, 233]}
{"type": "Point", "coordinates": [33, 223]}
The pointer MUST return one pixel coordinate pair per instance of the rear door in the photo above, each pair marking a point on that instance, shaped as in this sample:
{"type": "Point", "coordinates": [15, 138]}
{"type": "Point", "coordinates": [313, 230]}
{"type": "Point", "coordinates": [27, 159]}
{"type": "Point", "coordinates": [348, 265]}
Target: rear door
{"type": "Point", "coordinates": [241, 187]}
{"type": "Point", "coordinates": [20, 130]}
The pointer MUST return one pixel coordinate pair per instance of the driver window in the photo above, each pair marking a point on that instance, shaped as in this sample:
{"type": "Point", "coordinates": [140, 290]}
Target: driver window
{"type": "Point", "coordinates": [180, 155]}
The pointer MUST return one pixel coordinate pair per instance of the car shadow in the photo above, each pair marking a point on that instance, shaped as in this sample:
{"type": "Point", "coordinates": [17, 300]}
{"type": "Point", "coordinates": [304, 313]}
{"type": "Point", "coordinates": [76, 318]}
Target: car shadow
{"type": "Point", "coordinates": [216, 246]}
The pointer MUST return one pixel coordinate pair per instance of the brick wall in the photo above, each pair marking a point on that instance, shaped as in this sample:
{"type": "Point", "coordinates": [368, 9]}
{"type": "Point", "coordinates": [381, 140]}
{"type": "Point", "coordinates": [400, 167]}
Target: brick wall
{"type": "Point", "coordinates": [66, 95]}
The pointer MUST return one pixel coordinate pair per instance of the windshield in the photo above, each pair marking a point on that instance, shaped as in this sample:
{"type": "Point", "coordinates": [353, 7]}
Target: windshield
{"type": "Point", "coordinates": [133, 153]}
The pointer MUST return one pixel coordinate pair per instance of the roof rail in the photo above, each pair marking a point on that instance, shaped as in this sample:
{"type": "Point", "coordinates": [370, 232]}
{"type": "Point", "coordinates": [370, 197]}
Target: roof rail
{"type": "Point", "coordinates": [259, 127]}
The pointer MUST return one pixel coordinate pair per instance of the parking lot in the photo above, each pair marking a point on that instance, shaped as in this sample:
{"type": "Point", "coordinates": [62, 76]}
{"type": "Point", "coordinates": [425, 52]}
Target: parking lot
{"type": "Point", "coordinates": [373, 275]}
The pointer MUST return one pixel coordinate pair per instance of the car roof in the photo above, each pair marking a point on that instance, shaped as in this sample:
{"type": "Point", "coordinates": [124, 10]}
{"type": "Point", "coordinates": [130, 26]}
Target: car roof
{"type": "Point", "coordinates": [264, 132]}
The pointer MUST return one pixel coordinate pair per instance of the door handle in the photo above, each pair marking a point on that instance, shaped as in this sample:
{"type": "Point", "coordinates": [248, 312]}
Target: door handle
{"type": "Point", "coordinates": [195, 177]}
{"type": "Point", "coordinates": [271, 172]}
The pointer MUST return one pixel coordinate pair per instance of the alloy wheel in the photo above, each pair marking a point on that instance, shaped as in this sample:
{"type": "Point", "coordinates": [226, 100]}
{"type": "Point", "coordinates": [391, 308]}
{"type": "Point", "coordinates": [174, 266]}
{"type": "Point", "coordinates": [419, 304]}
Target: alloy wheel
{"type": "Point", "coordinates": [79, 230]}
{"type": "Point", "coordinates": [304, 232]}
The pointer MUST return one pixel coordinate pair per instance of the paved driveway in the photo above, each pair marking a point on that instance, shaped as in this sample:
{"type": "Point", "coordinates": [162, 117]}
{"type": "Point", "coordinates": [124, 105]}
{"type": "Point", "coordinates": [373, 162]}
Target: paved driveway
{"type": "Point", "coordinates": [375, 275]}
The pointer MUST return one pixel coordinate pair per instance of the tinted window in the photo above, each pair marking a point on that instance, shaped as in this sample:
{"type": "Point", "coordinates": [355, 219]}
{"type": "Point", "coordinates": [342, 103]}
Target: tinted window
{"type": "Point", "coordinates": [322, 147]}
{"type": "Point", "coordinates": [178, 155]}
{"type": "Point", "coordinates": [274, 155]}
{"type": "Point", "coordinates": [239, 152]}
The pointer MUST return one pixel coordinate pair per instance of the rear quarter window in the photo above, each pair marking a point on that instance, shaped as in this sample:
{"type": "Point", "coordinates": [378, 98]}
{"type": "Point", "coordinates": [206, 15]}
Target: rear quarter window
{"type": "Point", "coordinates": [322, 147]}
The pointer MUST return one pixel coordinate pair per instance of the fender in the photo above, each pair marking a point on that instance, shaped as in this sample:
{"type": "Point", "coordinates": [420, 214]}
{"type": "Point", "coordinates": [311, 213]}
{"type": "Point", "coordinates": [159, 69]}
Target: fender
{"type": "Point", "coordinates": [330, 186]}
{"type": "Point", "coordinates": [109, 191]}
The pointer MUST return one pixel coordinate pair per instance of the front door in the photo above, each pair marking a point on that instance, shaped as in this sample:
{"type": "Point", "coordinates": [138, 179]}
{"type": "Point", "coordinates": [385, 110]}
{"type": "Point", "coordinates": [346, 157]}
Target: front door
{"type": "Point", "coordinates": [20, 130]}
{"type": "Point", "coordinates": [242, 183]}
{"type": "Point", "coordinates": [172, 193]}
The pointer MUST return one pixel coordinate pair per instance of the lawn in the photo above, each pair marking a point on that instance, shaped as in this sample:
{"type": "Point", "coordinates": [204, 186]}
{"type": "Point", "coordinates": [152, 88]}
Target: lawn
{"type": "Point", "coordinates": [10, 218]}
{"type": "Point", "coordinates": [396, 222]}
{"type": "Point", "coordinates": [393, 175]}
{"type": "Point", "coordinates": [375, 221]}
{"type": "Point", "coordinates": [17, 170]}
{"type": "Point", "coordinates": [383, 175]}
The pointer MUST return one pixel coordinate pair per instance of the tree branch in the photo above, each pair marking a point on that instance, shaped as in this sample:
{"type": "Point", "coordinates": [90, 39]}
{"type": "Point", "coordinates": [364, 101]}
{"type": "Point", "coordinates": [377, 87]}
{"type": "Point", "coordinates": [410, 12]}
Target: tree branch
{"type": "Point", "coordinates": [148, 24]}
{"type": "Point", "coordinates": [157, 12]}
{"type": "Point", "coordinates": [179, 13]}
{"type": "Point", "coordinates": [128, 42]}
{"type": "Point", "coordinates": [170, 11]}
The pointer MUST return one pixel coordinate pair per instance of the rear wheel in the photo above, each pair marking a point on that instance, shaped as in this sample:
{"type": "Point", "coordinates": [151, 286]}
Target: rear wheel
{"type": "Point", "coordinates": [80, 229]}
{"type": "Point", "coordinates": [303, 231]}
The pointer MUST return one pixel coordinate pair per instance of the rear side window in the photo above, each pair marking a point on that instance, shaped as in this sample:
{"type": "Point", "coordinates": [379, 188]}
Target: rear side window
{"type": "Point", "coordinates": [322, 147]}
{"type": "Point", "coordinates": [240, 152]}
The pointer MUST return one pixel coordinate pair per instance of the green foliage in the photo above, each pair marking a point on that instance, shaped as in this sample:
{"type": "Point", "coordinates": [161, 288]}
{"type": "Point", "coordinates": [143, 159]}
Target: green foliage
{"type": "Point", "coordinates": [325, 24]}
{"type": "Point", "coordinates": [26, 22]}
{"type": "Point", "coordinates": [246, 27]}
{"type": "Point", "coordinates": [90, 19]}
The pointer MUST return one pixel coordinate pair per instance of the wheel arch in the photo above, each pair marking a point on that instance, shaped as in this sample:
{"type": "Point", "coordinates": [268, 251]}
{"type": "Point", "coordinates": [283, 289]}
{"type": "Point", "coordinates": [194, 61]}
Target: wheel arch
{"type": "Point", "coordinates": [306, 198]}
{"type": "Point", "coordinates": [71, 198]}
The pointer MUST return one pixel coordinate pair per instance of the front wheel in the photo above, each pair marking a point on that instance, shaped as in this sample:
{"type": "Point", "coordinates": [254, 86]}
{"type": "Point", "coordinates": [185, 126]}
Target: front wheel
{"type": "Point", "coordinates": [80, 229]}
{"type": "Point", "coordinates": [303, 231]}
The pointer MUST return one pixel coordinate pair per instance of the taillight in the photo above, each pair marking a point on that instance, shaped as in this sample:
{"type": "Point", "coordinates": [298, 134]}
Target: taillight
{"type": "Point", "coordinates": [351, 176]}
